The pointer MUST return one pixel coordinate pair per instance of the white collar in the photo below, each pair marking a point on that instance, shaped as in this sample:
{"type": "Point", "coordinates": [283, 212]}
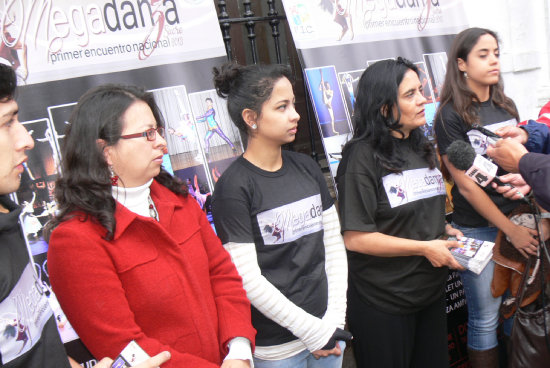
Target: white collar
{"type": "Point", "coordinates": [136, 199]}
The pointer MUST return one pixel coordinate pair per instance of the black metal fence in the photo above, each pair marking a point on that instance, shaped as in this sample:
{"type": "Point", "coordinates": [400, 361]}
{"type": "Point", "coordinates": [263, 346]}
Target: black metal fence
{"type": "Point", "coordinates": [257, 32]}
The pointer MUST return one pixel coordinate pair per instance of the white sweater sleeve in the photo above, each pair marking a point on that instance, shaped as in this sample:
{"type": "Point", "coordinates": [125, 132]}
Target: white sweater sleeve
{"type": "Point", "coordinates": [336, 267]}
{"type": "Point", "coordinates": [312, 331]}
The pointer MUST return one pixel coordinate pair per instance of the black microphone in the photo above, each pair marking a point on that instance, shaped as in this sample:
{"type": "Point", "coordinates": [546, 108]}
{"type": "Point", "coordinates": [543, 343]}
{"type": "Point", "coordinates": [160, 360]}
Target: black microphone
{"type": "Point", "coordinates": [463, 156]}
{"type": "Point", "coordinates": [495, 137]}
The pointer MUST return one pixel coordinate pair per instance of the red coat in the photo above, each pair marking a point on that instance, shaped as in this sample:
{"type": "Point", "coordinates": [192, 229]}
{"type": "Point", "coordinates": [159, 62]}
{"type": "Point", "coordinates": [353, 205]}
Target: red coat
{"type": "Point", "coordinates": [168, 285]}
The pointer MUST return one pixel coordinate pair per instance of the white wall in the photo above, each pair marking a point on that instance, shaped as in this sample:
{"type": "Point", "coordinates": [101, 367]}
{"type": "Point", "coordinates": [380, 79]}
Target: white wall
{"type": "Point", "coordinates": [523, 27]}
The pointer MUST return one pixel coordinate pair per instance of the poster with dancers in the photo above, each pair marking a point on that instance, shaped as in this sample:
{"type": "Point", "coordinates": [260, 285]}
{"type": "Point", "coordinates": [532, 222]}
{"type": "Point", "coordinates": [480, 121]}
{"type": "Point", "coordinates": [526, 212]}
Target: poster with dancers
{"type": "Point", "coordinates": [220, 138]}
{"type": "Point", "coordinates": [330, 111]}
{"type": "Point", "coordinates": [431, 105]}
{"type": "Point", "coordinates": [202, 140]}
{"type": "Point", "coordinates": [436, 67]}
{"type": "Point", "coordinates": [328, 102]}
{"type": "Point", "coordinates": [180, 131]}
{"type": "Point", "coordinates": [348, 82]}
{"type": "Point", "coordinates": [59, 116]}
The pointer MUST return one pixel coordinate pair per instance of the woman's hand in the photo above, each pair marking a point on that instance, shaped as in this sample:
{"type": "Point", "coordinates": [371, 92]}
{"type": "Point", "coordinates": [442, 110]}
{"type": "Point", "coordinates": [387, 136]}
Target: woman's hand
{"type": "Point", "coordinates": [523, 239]}
{"type": "Point", "coordinates": [438, 253]}
{"type": "Point", "coordinates": [451, 231]}
{"type": "Point", "coordinates": [324, 353]}
{"type": "Point", "coordinates": [235, 363]}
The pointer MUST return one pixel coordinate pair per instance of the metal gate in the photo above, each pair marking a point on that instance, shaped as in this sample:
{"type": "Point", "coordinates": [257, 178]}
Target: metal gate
{"type": "Point", "coordinates": [257, 32]}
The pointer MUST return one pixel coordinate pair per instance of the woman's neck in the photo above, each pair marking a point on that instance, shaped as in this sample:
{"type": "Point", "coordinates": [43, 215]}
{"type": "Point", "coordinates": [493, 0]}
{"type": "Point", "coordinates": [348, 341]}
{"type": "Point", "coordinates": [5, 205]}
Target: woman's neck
{"type": "Point", "coordinates": [135, 199]}
{"type": "Point", "coordinates": [483, 92]}
{"type": "Point", "coordinates": [266, 157]}
{"type": "Point", "coordinates": [400, 134]}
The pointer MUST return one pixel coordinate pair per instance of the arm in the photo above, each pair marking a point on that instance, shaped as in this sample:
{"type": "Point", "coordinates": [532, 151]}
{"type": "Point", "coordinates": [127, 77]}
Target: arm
{"type": "Point", "coordinates": [362, 193]}
{"type": "Point", "coordinates": [91, 294]}
{"type": "Point", "coordinates": [203, 117]}
{"type": "Point", "coordinates": [538, 137]}
{"type": "Point", "coordinates": [521, 237]}
{"type": "Point", "coordinates": [535, 136]}
{"type": "Point", "coordinates": [535, 168]}
{"type": "Point", "coordinates": [336, 267]}
{"type": "Point", "coordinates": [207, 114]}
{"type": "Point", "coordinates": [231, 301]}
{"type": "Point", "coordinates": [265, 297]}
{"type": "Point", "coordinates": [382, 245]}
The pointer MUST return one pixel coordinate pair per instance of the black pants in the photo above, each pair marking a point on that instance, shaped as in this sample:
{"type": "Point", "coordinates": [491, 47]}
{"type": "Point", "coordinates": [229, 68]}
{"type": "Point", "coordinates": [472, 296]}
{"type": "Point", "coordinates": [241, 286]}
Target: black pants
{"type": "Point", "coordinates": [383, 340]}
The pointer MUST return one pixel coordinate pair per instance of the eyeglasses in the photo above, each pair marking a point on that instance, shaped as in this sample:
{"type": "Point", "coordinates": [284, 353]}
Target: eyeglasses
{"type": "Point", "coordinates": [150, 134]}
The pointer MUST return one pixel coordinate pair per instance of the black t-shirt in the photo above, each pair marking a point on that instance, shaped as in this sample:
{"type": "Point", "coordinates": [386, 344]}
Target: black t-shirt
{"type": "Point", "coordinates": [450, 127]}
{"type": "Point", "coordinates": [409, 205]}
{"type": "Point", "coordinates": [29, 332]}
{"type": "Point", "coordinates": [281, 213]}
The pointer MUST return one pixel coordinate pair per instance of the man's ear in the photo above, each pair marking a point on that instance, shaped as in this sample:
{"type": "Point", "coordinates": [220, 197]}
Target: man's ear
{"type": "Point", "coordinates": [107, 150]}
{"type": "Point", "coordinates": [461, 64]}
{"type": "Point", "coordinates": [249, 117]}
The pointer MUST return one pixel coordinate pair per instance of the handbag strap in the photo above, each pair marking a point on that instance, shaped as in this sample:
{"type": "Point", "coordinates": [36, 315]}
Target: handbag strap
{"type": "Point", "coordinates": [520, 294]}
{"type": "Point", "coordinates": [542, 254]}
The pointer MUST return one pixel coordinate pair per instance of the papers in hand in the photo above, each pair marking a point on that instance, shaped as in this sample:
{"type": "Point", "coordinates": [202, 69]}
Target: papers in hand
{"type": "Point", "coordinates": [473, 254]}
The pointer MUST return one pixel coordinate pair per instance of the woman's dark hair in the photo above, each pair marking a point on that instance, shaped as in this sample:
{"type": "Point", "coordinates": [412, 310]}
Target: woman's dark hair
{"type": "Point", "coordinates": [377, 98]}
{"type": "Point", "coordinates": [455, 88]}
{"type": "Point", "coordinates": [247, 87]}
{"type": "Point", "coordinates": [85, 184]}
{"type": "Point", "coordinates": [8, 83]}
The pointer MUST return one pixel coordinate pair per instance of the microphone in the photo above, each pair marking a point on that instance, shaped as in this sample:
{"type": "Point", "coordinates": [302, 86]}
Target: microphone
{"type": "Point", "coordinates": [486, 131]}
{"type": "Point", "coordinates": [491, 136]}
{"type": "Point", "coordinates": [477, 167]}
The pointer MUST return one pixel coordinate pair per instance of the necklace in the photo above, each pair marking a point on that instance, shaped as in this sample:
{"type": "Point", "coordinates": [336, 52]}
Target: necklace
{"type": "Point", "coordinates": [152, 209]}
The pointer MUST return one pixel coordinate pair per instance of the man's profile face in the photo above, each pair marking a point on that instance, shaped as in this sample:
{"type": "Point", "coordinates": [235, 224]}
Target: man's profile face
{"type": "Point", "coordinates": [14, 141]}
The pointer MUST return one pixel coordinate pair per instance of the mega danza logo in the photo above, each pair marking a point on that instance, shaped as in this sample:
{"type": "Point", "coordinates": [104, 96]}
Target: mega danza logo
{"type": "Point", "coordinates": [35, 22]}
{"type": "Point", "coordinates": [379, 11]}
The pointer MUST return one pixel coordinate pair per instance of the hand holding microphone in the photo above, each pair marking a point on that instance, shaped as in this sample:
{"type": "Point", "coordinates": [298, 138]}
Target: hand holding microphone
{"type": "Point", "coordinates": [477, 168]}
{"type": "Point", "coordinates": [507, 153]}
{"type": "Point", "coordinates": [513, 132]}
{"type": "Point", "coordinates": [518, 189]}
{"type": "Point", "coordinates": [483, 172]}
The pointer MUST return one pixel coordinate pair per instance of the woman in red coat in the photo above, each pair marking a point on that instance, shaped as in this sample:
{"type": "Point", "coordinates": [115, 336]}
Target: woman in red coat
{"type": "Point", "coordinates": [132, 256]}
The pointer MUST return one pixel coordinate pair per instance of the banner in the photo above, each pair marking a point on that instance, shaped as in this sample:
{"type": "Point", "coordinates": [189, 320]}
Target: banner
{"type": "Point", "coordinates": [49, 40]}
{"type": "Point", "coordinates": [338, 39]}
{"type": "Point", "coordinates": [60, 49]}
